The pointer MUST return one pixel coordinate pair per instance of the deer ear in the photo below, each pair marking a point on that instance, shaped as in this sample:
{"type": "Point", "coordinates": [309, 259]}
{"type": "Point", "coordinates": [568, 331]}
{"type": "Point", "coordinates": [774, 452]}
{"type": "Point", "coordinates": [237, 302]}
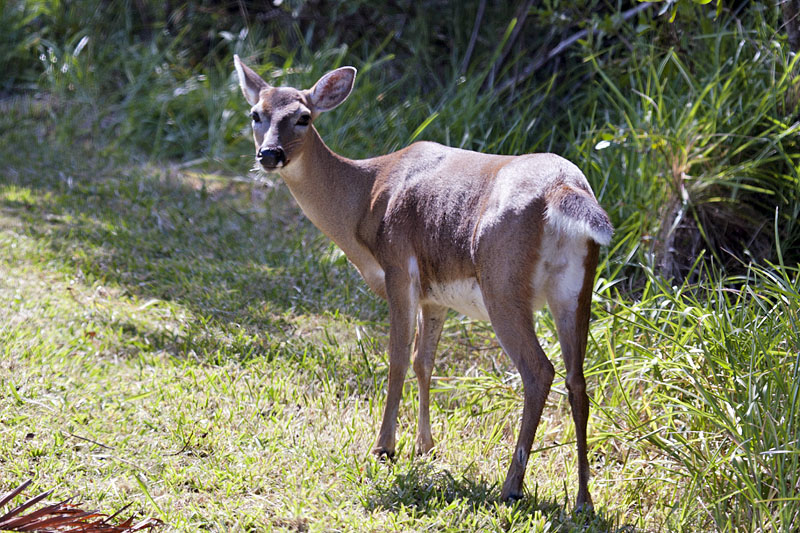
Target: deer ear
{"type": "Point", "coordinates": [250, 82]}
{"type": "Point", "coordinates": [332, 89]}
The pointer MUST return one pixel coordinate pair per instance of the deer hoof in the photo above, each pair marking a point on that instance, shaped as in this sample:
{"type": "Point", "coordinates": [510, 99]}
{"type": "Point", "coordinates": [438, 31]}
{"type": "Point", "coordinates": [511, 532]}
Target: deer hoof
{"type": "Point", "coordinates": [383, 454]}
{"type": "Point", "coordinates": [585, 508]}
{"type": "Point", "coordinates": [424, 448]}
{"type": "Point", "coordinates": [511, 496]}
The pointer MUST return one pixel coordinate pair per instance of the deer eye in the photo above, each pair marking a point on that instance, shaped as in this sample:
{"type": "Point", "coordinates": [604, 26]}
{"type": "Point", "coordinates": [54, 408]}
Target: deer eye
{"type": "Point", "coordinates": [255, 117]}
{"type": "Point", "coordinates": [304, 120]}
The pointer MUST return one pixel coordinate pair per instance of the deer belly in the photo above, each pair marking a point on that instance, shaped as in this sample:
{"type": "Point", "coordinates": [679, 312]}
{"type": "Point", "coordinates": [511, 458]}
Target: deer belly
{"type": "Point", "coordinates": [462, 295]}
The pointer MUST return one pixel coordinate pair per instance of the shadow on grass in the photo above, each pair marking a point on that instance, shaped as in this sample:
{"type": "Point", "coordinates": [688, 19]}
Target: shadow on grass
{"type": "Point", "coordinates": [229, 250]}
{"type": "Point", "coordinates": [426, 490]}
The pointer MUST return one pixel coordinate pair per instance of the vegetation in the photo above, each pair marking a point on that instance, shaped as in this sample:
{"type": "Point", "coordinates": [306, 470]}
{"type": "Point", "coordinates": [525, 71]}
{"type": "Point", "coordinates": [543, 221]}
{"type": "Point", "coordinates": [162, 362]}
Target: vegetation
{"type": "Point", "coordinates": [63, 516]}
{"type": "Point", "coordinates": [176, 336]}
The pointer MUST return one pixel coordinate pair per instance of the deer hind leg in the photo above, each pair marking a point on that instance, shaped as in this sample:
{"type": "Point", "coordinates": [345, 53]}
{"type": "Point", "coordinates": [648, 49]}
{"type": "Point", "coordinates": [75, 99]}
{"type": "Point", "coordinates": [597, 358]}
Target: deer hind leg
{"type": "Point", "coordinates": [401, 288]}
{"type": "Point", "coordinates": [511, 314]}
{"type": "Point", "coordinates": [429, 328]}
{"type": "Point", "coordinates": [570, 299]}
{"type": "Point", "coordinates": [517, 337]}
{"type": "Point", "coordinates": [505, 280]}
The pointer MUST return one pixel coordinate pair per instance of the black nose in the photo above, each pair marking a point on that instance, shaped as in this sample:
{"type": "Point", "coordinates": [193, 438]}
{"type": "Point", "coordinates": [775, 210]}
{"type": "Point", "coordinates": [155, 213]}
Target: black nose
{"type": "Point", "coordinates": [272, 157]}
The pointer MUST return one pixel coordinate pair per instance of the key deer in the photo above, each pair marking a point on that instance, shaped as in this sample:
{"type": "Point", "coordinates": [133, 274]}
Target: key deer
{"type": "Point", "coordinates": [431, 227]}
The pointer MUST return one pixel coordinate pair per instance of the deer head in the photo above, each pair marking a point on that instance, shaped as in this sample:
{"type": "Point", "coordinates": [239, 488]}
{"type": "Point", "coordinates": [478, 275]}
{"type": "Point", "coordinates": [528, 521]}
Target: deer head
{"type": "Point", "coordinates": [282, 116]}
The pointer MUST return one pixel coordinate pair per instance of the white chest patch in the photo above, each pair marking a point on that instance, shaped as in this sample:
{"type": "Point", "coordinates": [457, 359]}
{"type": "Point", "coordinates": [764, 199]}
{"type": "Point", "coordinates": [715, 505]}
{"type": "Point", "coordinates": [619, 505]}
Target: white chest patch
{"type": "Point", "coordinates": [463, 296]}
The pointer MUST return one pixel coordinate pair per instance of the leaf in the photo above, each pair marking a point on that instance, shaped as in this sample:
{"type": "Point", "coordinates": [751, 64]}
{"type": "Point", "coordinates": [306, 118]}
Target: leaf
{"type": "Point", "coordinates": [64, 517]}
{"type": "Point", "coordinates": [424, 125]}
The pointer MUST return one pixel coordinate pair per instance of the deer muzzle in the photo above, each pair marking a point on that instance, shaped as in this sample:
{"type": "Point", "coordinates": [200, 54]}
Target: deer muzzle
{"type": "Point", "coordinates": [271, 158]}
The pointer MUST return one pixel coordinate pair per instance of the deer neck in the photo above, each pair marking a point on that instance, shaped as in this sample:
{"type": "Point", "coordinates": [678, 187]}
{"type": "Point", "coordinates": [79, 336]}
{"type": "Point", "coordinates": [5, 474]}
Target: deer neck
{"type": "Point", "coordinates": [334, 193]}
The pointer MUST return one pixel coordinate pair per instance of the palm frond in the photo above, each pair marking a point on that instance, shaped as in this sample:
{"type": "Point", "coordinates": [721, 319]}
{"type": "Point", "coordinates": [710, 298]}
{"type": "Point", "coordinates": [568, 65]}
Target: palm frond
{"type": "Point", "coordinates": [64, 517]}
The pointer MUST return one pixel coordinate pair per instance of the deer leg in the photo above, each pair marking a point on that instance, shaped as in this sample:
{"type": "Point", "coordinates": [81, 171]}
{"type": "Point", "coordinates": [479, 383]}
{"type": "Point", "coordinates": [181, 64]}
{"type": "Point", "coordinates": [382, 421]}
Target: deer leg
{"type": "Point", "coordinates": [570, 306]}
{"type": "Point", "coordinates": [506, 283]}
{"type": "Point", "coordinates": [403, 304]}
{"type": "Point", "coordinates": [429, 328]}
{"type": "Point", "coordinates": [537, 375]}
{"type": "Point", "coordinates": [513, 325]}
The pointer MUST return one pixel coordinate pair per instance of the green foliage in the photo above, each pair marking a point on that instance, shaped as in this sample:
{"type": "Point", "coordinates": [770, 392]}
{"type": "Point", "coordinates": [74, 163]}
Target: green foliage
{"type": "Point", "coordinates": [231, 364]}
{"type": "Point", "coordinates": [140, 94]}
{"type": "Point", "coordinates": [19, 46]}
{"type": "Point", "coordinates": [716, 143]}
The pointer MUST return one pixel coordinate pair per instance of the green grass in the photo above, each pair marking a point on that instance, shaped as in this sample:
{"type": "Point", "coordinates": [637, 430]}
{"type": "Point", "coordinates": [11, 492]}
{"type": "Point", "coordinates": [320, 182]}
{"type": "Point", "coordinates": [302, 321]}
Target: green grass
{"type": "Point", "coordinates": [188, 343]}
{"type": "Point", "coordinates": [181, 338]}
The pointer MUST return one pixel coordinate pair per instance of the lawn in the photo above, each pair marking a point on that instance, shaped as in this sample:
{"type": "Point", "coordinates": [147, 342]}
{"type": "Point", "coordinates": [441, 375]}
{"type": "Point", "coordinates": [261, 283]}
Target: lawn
{"type": "Point", "coordinates": [186, 342]}
{"type": "Point", "coordinates": [176, 337]}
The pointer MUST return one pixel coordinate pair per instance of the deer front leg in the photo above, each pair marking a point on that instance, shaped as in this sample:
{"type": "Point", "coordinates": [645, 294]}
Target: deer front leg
{"type": "Point", "coordinates": [429, 328]}
{"type": "Point", "coordinates": [403, 302]}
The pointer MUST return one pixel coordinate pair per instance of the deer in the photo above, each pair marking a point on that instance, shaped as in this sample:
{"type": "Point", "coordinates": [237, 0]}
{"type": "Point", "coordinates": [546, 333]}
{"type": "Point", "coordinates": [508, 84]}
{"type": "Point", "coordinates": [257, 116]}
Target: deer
{"type": "Point", "coordinates": [432, 228]}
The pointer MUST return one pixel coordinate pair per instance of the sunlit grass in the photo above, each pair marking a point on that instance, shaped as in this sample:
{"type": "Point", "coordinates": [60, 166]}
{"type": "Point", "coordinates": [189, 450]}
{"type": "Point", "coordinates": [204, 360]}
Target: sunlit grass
{"type": "Point", "coordinates": [178, 337]}
{"type": "Point", "coordinates": [191, 345]}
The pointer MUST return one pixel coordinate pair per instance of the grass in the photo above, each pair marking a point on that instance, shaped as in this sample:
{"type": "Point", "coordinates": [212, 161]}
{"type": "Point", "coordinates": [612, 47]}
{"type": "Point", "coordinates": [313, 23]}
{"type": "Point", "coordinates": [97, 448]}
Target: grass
{"type": "Point", "coordinates": [180, 338]}
{"type": "Point", "coordinates": [188, 343]}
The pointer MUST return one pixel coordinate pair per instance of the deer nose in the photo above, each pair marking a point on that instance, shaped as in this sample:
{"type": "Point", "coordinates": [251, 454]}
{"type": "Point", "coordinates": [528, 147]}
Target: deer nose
{"type": "Point", "coordinates": [272, 157]}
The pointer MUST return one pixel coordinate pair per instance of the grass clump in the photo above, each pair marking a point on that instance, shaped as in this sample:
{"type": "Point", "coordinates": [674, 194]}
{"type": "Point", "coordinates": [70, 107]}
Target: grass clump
{"type": "Point", "coordinates": [715, 141]}
{"type": "Point", "coordinates": [719, 397]}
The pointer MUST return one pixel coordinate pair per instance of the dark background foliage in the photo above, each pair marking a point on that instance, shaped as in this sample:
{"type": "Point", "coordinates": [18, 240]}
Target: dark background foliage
{"type": "Point", "coordinates": [702, 97]}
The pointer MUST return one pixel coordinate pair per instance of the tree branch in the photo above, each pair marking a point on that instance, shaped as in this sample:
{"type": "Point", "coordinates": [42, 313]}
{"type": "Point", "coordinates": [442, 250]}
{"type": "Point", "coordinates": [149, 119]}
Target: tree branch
{"type": "Point", "coordinates": [560, 47]}
{"type": "Point", "coordinates": [791, 20]}
{"type": "Point", "coordinates": [522, 14]}
{"type": "Point", "coordinates": [473, 37]}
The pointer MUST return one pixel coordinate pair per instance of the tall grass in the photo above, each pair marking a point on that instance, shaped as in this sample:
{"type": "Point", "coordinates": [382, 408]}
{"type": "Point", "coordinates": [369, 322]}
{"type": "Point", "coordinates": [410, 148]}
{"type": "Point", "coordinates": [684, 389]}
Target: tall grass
{"type": "Point", "coordinates": [715, 143]}
{"type": "Point", "coordinates": [687, 132]}
{"type": "Point", "coordinates": [141, 97]}
{"type": "Point", "coordinates": [709, 375]}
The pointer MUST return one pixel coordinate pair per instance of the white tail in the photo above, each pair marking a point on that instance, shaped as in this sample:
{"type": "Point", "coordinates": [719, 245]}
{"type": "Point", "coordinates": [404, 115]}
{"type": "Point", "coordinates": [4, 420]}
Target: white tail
{"type": "Point", "coordinates": [430, 228]}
